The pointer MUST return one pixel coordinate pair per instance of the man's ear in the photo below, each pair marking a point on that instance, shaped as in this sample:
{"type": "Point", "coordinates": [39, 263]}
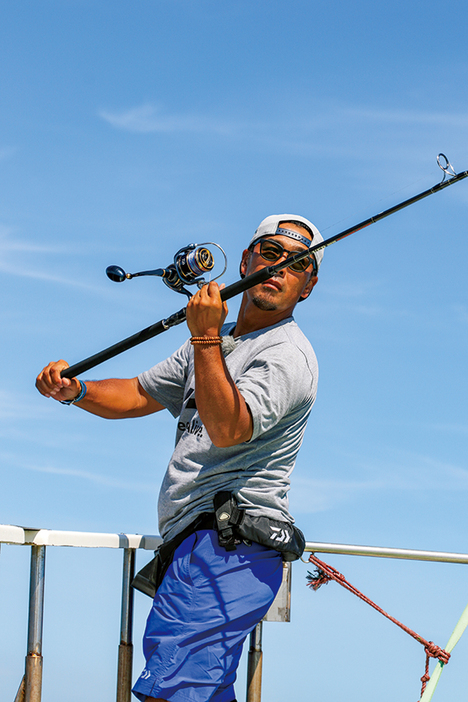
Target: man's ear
{"type": "Point", "coordinates": [244, 263]}
{"type": "Point", "coordinates": [309, 287]}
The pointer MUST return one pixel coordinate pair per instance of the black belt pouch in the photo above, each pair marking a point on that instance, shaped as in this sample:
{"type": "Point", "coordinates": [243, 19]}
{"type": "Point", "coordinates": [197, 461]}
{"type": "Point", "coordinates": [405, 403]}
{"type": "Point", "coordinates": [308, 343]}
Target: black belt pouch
{"type": "Point", "coordinates": [150, 577]}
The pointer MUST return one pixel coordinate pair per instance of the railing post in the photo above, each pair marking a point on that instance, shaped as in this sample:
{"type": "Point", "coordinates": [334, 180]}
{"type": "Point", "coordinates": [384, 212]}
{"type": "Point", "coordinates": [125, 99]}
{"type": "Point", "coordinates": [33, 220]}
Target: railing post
{"type": "Point", "coordinates": [125, 665]}
{"type": "Point", "coordinates": [254, 667]}
{"type": "Point", "coordinates": [33, 673]}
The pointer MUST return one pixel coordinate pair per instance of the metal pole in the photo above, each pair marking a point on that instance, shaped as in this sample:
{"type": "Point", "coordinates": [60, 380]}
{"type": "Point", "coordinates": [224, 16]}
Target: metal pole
{"type": "Point", "coordinates": [254, 667]}
{"type": "Point", "coordinates": [385, 552]}
{"type": "Point", "coordinates": [33, 675]}
{"type": "Point", "coordinates": [125, 664]}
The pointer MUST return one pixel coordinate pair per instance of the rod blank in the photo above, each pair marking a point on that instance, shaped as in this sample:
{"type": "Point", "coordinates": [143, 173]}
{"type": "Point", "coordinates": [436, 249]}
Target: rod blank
{"type": "Point", "coordinates": [248, 282]}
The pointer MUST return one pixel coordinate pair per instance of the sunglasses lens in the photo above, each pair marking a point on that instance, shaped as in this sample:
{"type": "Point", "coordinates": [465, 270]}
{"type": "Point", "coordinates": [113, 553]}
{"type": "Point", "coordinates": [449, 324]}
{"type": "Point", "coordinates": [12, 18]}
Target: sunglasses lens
{"type": "Point", "coordinates": [270, 251]}
{"type": "Point", "coordinates": [300, 265]}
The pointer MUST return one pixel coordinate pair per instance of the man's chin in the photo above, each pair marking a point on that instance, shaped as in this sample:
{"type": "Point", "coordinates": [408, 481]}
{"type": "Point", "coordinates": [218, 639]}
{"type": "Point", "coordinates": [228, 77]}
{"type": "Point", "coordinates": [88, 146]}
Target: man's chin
{"type": "Point", "coordinates": [264, 303]}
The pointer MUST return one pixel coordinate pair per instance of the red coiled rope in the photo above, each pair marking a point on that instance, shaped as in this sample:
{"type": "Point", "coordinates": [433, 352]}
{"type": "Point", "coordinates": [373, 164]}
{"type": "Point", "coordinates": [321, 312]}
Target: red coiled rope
{"type": "Point", "coordinates": [325, 573]}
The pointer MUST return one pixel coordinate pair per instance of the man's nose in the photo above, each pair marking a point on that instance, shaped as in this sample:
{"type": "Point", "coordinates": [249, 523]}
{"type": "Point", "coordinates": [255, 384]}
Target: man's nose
{"type": "Point", "coordinates": [283, 256]}
{"type": "Point", "coordinates": [281, 272]}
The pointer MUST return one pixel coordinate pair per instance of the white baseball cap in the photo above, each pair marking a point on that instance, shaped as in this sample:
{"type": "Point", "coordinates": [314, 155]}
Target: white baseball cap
{"type": "Point", "coordinates": [272, 225]}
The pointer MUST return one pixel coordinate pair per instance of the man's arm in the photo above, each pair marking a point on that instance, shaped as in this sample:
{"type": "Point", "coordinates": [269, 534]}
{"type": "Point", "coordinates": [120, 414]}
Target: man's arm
{"type": "Point", "coordinates": [221, 407]}
{"type": "Point", "coordinates": [116, 398]}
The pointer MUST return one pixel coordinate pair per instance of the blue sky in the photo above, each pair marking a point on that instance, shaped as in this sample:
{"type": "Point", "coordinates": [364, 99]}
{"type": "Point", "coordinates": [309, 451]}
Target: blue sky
{"type": "Point", "coordinates": [130, 129]}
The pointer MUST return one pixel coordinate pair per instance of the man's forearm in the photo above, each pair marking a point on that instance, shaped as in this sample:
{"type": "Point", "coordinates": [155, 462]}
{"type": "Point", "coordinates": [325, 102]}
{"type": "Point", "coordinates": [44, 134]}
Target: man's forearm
{"type": "Point", "coordinates": [222, 409]}
{"type": "Point", "coordinates": [117, 398]}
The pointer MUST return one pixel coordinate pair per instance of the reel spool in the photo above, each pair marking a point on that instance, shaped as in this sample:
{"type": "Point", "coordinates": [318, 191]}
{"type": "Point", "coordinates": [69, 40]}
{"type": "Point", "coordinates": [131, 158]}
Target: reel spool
{"type": "Point", "coordinates": [191, 263]}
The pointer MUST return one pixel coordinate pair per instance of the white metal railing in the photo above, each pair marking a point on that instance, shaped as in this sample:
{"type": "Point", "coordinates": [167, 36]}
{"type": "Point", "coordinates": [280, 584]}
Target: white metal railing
{"type": "Point", "coordinates": [31, 687]}
{"type": "Point", "coordinates": [384, 552]}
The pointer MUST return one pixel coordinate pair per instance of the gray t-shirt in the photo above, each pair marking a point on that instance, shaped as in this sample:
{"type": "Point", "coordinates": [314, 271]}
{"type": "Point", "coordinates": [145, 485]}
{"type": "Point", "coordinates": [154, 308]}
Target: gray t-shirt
{"type": "Point", "coordinates": [275, 370]}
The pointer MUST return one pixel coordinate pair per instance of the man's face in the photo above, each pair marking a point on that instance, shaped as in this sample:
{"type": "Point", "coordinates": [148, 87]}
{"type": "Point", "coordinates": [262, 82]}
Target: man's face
{"type": "Point", "coordinates": [283, 291]}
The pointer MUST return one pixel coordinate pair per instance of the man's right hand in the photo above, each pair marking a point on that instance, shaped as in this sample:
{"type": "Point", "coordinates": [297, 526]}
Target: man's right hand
{"type": "Point", "coordinates": [114, 398]}
{"type": "Point", "coordinates": [51, 384]}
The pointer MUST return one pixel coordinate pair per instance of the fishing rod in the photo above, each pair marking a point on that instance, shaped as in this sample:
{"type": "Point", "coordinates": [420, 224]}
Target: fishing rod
{"type": "Point", "coordinates": [190, 274]}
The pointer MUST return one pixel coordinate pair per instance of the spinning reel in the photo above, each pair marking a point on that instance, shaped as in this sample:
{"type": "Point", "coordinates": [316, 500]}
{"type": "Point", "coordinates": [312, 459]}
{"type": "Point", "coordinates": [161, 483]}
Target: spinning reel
{"type": "Point", "coordinates": [190, 264]}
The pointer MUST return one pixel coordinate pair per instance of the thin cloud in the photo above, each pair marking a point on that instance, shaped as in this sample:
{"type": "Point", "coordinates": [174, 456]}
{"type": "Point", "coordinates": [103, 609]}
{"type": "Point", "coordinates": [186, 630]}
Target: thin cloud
{"type": "Point", "coordinates": [314, 495]}
{"type": "Point", "coordinates": [87, 476]}
{"type": "Point", "coordinates": [342, 131]}
{"type": "Point", "coordinates": [416, 117]}
{"type": "Point", "coordinates": [28, 247]}
{"type": "Point", "coordinates": [9, 242]}
{"type": "Point", "coordinates": [149, 118]}
{"type": "Point", "coordinates": [412, 473]}
{"type": "Point", "coordinates": [434, 474]}
{"type": "Point", "coordinates": [443, 427]}
{"type": "Point", "coordinates": [35, 274]}
{"type": "Point", "coordinates": [13, 406]}
{"type": "Point", "coordinates": [9, 247]}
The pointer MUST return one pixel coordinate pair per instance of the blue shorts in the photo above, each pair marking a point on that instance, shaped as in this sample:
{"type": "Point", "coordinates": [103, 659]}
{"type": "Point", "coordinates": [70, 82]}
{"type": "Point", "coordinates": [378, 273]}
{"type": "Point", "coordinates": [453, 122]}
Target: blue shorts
{"type": "Point", "coordinates": [209, 601]}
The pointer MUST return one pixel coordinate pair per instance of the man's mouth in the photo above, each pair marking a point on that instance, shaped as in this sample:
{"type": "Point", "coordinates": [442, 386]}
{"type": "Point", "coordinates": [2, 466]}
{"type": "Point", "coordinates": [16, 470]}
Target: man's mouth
{"type": "Point", "coordinates": [272, 283]}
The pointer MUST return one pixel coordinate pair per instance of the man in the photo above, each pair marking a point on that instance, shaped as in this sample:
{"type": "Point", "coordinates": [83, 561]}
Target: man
{"type": "Point", "coordinates": [242, 393]}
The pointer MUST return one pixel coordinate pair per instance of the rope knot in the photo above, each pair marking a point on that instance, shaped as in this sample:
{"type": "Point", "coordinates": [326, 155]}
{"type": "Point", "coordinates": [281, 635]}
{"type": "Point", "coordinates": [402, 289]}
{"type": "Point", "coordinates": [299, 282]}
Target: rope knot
{"type": "Point", "coordinates": [317, 579]}
{"type": "Point", "coordinates": [436, 652]}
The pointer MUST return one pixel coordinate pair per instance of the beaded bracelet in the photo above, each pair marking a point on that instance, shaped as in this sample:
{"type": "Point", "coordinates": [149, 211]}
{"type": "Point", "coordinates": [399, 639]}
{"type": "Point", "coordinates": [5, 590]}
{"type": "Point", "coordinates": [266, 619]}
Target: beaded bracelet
{"type": "Point", "coordinates": [81, 394]}
{"type": "Point", "coordinates": [206, 340]}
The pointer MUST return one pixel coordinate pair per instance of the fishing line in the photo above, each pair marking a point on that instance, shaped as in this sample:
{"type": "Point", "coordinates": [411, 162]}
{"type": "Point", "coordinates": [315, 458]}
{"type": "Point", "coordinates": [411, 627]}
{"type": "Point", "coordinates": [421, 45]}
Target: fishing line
{"type": "Point", "coordinates": [382, 199]}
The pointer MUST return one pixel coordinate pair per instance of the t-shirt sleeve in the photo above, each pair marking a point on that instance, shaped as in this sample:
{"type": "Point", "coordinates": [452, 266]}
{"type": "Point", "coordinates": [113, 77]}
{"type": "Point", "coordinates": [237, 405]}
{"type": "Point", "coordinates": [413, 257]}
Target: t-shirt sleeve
{"type": "Point", "coordinates": [166, 380]}
{"type": "Point", "coordinates": [276, 382]}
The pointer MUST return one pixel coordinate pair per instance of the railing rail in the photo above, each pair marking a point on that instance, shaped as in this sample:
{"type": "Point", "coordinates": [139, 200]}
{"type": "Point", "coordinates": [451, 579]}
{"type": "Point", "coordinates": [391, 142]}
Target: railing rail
{"type": "Point", "coordinates": [84, 539]}
{"type": "Point", "coordinates": [386, 552]}
{"type": "Point", "coordinates": [31, 687]}
{"type": "Point", "coordinates": [10, 534]}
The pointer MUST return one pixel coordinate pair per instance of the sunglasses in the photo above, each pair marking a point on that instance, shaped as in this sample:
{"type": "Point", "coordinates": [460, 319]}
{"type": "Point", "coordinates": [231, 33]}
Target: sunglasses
{"type": "Point", "coordinates": [272, 251]}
